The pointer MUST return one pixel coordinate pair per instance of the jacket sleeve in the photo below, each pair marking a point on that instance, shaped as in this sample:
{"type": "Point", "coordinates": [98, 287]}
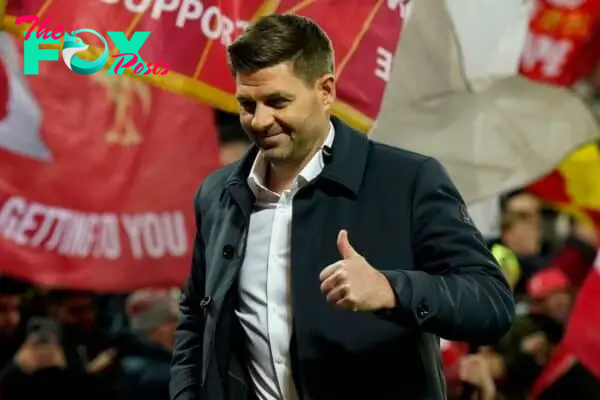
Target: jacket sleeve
{"type": "Point", "coordinates": [456, 289]}
{"type": "Point", "coordinates": [187, 353]}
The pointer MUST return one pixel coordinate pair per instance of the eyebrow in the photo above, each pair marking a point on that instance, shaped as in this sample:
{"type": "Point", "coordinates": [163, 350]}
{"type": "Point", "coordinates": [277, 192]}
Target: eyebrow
{"type": "Point", "coordinates": [270, 96]}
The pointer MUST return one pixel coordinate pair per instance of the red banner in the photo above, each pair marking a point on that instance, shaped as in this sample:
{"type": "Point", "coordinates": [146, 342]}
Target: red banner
{"type": "Point", "coordinates": [192, 37]}
{"type": "Point", "coordinates": [563, 44]}
{"type": "Point", "coordinates": [583, 332]}
{"type": "Point", "coordinates": [98, 177]}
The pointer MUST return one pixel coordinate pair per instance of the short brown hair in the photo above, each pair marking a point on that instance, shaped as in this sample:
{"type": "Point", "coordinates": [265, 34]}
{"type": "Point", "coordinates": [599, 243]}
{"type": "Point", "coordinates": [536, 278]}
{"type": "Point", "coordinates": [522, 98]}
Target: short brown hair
{"type": "Point", "coordinates": [278, 38]}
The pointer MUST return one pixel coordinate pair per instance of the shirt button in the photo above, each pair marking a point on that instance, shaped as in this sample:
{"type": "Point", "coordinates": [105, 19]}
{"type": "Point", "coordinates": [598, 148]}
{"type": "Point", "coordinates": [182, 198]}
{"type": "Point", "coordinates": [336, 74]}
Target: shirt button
{"type": "Point", "coordinates": [279, 360]}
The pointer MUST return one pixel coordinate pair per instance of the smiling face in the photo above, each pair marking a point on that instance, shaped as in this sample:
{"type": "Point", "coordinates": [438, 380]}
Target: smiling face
{"type": "Point", "coordinates": [283, 66]}
{"type": "Point", "coordinates": [283, 114]}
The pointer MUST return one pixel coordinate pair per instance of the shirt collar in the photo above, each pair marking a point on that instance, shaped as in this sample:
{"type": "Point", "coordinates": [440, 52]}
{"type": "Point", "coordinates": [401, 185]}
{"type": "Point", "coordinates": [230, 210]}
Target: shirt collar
{"type": "Point", "coordinates": [309, 172]}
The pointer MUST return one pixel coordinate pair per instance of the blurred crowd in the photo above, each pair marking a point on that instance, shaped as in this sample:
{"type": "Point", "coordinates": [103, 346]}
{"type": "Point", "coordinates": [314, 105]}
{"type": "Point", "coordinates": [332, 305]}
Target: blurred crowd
{"type": "Point", "coordinates": [73, 345]}
{"type": "Point", "coordinates": [545, 256]}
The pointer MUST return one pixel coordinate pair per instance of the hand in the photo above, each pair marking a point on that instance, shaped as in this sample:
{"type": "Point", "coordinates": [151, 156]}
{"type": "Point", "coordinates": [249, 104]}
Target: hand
{"type": "Point", "coordinates": [353, 284]}
{"type": "Point", "coordinates": [33, 357]}
{"type": "Point", "coordinates": [474, 370]}
{"type": "Point", "coordinates": [493, 360]}
{"type": "Point", "coordinates": [101, 362]}
{"type": "Point", "coordinates": [537, 346]}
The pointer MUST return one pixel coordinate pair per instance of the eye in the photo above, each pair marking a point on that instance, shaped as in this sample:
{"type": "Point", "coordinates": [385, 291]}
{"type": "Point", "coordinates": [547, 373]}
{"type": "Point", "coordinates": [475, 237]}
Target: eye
{"type": "Point", "coordinates": [248, 106]}
{"type": "Point", "coordinates": [278, 103]}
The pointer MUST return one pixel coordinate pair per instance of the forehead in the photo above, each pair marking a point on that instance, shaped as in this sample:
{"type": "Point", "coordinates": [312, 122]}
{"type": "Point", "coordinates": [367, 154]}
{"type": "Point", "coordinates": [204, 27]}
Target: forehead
{"type": "Point", "coordinates": [524, 202]}
{"type": "Point", "coordinates": [265, 82]}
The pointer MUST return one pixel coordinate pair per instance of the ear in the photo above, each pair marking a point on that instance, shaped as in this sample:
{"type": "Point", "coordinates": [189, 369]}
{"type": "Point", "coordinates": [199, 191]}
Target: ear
{"type": "Point", "coordinates": [326, 90]}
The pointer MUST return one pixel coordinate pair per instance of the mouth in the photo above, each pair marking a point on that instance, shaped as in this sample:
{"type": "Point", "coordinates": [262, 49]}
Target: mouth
{"type": "Point", "coordinates": [270, 140]}
{"type": "Point", "coordinates": [269, 135]}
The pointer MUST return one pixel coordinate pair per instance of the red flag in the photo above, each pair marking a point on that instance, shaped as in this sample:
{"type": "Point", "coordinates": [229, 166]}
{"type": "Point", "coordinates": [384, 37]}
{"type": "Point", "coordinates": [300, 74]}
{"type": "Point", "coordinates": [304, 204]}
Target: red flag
{"type": "Point", "coordinates": [97, 192]}
{"type": "Point", "coordinates": [364, 33]}
{"type": "Point", "coordinates": [561, 361]}
{"type": "Point", "coordinates": [583, 332]}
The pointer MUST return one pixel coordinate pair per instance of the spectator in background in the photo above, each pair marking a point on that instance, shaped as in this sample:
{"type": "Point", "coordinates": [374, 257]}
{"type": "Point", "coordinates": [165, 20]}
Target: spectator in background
{"type": "Point", "coordinates": [12, 294]}
{"type": "Point", "coordinates": [528, 345]}
{"type": "Point", "coordinates": [72, 360]}
{"type": "Point", "coordinates": [474, 370]}
{"type": "Point", "coordinates": [153, 315]}
{"type": "Point", "coordinates": [110, 313]}
{"type": "Point", "coordinates": [521, 233]}
{"type": "Point", "coordinates": [469, 375]}
{"type": "Point", "coordinates": [233, 140]}
{"type": "Point", "coordinates": [76, 312]}
{"type": "Point", "coordinates": [521, 224]}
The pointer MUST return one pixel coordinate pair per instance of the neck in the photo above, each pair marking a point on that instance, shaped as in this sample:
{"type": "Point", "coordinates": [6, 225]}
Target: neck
{"type": "Point", "coordinates": [281, 175]}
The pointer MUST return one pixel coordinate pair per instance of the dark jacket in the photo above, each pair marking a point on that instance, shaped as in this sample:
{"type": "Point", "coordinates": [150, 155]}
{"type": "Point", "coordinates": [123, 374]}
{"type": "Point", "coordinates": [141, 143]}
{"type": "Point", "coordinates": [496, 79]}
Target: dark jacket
{"type": "Point", "coordinates": [405, 216]}
{"type": "Point", "coordinates": [146, 377]}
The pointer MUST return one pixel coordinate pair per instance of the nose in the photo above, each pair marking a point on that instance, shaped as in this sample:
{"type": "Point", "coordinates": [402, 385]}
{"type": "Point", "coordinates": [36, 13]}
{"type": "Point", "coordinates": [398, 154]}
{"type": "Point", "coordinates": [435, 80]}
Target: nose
{"type": "Point", "coordinates": [262, 119]}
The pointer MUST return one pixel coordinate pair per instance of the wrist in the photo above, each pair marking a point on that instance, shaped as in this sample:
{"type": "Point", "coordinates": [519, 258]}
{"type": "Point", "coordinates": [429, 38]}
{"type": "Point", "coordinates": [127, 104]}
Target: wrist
{"type": "Point", "coordinates": [389, 300]}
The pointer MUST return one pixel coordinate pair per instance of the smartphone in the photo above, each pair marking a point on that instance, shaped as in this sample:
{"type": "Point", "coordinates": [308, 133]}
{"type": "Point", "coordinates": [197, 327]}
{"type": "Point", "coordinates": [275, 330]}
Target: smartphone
{"type": "Point", "coordinates": [45, 330]}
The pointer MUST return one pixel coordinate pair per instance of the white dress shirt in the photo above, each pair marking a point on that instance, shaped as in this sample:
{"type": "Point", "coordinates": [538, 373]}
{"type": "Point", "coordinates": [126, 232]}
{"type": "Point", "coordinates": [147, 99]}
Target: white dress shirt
{"type": "Point", "coordinates": [265, 307]}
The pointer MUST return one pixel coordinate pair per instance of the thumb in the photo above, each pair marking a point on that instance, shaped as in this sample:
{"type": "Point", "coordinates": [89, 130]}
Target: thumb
{"type": "Point", "coordinates": [344, 247]}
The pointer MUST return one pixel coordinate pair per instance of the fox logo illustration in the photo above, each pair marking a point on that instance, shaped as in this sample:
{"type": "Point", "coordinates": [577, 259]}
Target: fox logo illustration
{"type": "Point", "coordinates": [73, 45]}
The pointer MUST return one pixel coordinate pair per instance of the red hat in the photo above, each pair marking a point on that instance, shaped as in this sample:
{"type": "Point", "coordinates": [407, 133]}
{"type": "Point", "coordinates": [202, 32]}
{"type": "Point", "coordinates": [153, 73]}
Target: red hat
{"type": "Point", "coordinates": [547, 281]}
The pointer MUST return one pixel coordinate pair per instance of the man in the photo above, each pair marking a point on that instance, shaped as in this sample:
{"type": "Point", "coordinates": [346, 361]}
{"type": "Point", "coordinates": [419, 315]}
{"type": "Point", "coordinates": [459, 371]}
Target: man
{"type": "Point", "coordinates": [521, 223]}
{"type": "Point", "coordinates": [521, 233]}
{"type": "Point", "coordinates": [153, 316]}
{"type": "Point", "coordinates": [325, 266]}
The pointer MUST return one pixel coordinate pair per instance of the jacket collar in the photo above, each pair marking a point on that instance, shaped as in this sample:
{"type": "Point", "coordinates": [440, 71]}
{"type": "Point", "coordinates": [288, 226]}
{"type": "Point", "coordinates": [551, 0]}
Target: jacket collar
{"type": "Point", "coordinates": [346, 168]}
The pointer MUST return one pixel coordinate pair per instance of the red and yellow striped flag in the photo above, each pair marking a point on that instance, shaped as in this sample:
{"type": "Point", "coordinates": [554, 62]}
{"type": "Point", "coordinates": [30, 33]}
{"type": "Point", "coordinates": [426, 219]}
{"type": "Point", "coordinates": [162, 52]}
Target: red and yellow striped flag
{"type": "Point", "coordinates": [574, 186]}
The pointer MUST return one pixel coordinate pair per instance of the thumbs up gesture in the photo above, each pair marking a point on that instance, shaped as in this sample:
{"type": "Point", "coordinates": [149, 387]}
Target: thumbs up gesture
{"type": "Point", "coordinates": [353, 284]}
